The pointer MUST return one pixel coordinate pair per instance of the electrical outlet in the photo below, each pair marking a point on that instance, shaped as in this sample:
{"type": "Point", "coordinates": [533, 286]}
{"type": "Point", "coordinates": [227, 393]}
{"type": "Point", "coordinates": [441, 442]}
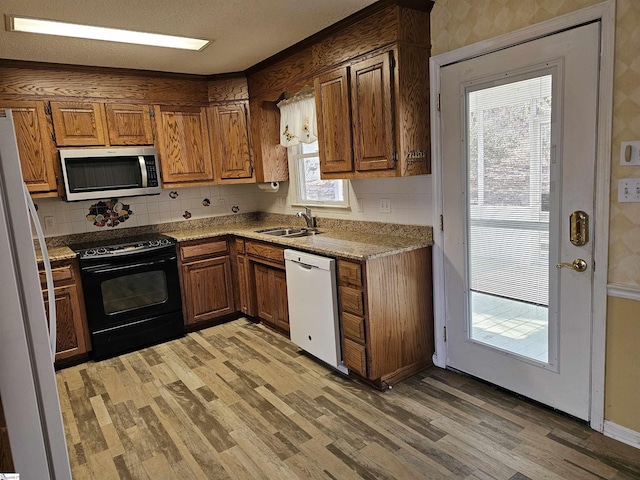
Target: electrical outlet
{"type": "Point", "coordinates": [360, 205]}
{"type": "Point", "coordinates": [385, 205]}
{"type": "Point", "coordinates": [629, 190]}
{"type": "Point", "coordinates": [222, 202]}
{"type": "Point", "coordinates": [49, 223]}
{"type": "Point", "coordinates": [279, 201]}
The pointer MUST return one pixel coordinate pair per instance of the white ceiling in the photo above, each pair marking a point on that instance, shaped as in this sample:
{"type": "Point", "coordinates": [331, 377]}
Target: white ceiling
{"type": "Point", "coordinates": [244, 32]}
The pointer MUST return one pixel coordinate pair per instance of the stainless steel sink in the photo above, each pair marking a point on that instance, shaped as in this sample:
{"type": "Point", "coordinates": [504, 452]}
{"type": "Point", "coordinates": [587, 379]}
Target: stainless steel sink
{"type": "Point", "coordinates": [289, 232]}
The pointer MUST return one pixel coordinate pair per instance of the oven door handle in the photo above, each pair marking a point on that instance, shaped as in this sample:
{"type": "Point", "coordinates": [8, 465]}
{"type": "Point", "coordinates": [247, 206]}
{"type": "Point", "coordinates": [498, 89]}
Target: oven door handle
{"type": "Point", "coordinates": [131, 266]}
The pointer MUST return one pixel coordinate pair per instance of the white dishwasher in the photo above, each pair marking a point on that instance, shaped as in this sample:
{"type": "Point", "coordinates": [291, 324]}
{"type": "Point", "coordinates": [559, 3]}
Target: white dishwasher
{"type": "Point", "coordinates": [313, 306]}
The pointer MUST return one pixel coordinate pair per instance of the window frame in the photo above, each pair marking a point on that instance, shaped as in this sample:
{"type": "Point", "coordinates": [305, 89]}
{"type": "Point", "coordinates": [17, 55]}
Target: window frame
{"type": "Point", "coordinates": [295, 157]}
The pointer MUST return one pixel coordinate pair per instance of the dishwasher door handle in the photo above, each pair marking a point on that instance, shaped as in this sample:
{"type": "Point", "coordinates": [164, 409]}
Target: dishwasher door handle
{"type": "Point", "coordinates": [305, 266]}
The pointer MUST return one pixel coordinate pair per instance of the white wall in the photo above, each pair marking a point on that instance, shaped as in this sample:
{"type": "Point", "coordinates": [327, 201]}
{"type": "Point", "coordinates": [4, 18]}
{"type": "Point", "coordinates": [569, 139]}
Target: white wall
{"type": "Point", "coordinates": [410, 197]}
{"type": "Point", "coordinates": [410, 204]}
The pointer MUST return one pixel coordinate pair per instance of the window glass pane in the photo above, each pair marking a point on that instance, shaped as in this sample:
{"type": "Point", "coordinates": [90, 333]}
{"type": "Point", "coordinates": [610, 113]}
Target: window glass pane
{"type": "Point", "coordinates": [509, 142]}
{"type": "Point", "coordinates": [312, 187]}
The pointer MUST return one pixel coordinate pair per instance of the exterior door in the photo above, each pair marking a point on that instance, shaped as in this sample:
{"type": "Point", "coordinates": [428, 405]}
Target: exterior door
{"type": "Point", "coordinates": [519, 151]}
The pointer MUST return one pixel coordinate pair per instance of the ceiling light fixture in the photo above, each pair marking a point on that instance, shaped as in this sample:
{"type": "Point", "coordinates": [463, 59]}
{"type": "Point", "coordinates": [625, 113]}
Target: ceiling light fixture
{"type": "Point", "coordinates": [50, 27]}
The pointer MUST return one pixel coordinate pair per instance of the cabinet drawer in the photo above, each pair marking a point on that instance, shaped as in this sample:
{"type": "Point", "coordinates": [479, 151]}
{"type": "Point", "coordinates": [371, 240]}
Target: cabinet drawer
{"type": "Point", "coordinates": [270, 252]}
{"type": "Point", "coordinates": [351, 301]}
{"type": "Point", "coordinates": [353, 327]}
{"type": "Point", "coordinates": [240, 245]}
{"type": "Point", "coordinates": [355, 357]}
{"type": "Point", "coordinates": [60, 275]}
{"type": "Point", "coordinates": [349, 273]}
{"type": "Point", "coordinates": [203, 249]}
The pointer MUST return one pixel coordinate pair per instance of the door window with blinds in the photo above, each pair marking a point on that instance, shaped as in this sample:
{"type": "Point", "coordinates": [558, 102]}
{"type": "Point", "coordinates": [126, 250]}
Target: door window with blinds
{"type": "Point", "coordinates": [509, 178]}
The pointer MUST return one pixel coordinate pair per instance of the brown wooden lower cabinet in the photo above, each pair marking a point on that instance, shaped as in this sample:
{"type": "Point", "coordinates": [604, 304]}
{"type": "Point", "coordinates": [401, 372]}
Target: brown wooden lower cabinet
{"type": "Point", "coordinates": [72, 338]}
{"type": "Point", "coordinates": [207, 285]}
{"type": "Point", "coordinates": [271, 296]}
{"type": "Point", "coordinates": [386, 313]}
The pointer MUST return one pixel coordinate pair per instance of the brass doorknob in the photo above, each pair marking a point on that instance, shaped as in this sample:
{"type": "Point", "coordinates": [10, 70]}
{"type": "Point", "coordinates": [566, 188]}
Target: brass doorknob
{"type": "Point", "coordinates": [579, 265]}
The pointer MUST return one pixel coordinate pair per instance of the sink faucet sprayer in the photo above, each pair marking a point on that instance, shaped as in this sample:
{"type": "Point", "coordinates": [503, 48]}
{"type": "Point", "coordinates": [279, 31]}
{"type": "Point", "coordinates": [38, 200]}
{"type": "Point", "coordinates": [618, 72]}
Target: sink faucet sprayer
{"type": "Point", "coordinates": [306, 214]}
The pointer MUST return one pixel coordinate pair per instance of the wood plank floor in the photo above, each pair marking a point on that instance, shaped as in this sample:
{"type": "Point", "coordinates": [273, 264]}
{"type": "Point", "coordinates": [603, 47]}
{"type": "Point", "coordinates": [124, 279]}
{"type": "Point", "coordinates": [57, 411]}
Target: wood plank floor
{"type": "Point", "coordinates": [239, 401]}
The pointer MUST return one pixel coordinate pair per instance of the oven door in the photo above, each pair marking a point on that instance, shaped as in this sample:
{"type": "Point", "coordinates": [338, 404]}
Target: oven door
{"type": "Point", "coordinates": [130, 288]}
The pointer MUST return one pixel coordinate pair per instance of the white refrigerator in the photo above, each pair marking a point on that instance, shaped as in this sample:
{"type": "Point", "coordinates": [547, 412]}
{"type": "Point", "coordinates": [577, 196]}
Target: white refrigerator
{"type": "Point", "coordinates": [27, 378]}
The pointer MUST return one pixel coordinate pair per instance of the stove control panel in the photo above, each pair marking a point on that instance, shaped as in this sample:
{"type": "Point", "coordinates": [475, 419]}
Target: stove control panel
{"type": "Point", "coordinates": [126, 247]}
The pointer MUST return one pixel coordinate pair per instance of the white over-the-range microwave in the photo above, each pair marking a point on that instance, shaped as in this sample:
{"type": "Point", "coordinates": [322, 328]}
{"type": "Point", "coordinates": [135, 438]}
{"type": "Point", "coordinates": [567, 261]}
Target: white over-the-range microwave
{"type": "Point", "coordinates": [97, 173]}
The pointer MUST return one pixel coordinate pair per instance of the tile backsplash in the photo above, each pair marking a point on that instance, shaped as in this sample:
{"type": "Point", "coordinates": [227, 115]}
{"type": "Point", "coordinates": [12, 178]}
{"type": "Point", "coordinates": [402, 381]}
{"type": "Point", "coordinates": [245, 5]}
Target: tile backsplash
{"type": "Point", "coordinates": [64, 218]}
{"type": "Point", "coordinates": [410, 203]}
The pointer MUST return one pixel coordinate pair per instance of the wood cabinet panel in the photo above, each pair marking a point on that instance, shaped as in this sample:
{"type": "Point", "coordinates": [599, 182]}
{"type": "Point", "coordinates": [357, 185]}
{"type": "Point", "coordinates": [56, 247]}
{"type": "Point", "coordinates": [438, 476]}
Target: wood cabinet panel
{"type": "Point", "coordinates": [35, 145]}
{"type": "Point", "coordinates": [243, 284]}
{"type": "Point", "coordinates": [208, 289]}
{"type": "Point", "coordinates": [373, 129]}
{"type": "Point", "coordinates": [129, 124]}
{"type": "Point", "coordinates": [355, 357]}
{"type": "Point", "coordinates": [78, 123]}
{"type": "Point", "coordinates": [228, 127]}
{"type": "Point", "coordinates": [271, 296]}
{"type": "Point", "coordinates": [207, 248]}
{"type": "Point", "coordinates": [239, 245]}
{"type": "Point", "coordinates": [264, 300]}
{"type": "Point", "coordinates": [61, 275]}
{"type": "Point", "coordinates": [228, 88]}
{"type": "Point", "coordinates": [351, 300]}
{"type": "Point", "coordinates": [269, 157]}
{"type": "Point", "coordinates": [70, 336]}
{"type": "Point", "coordinates": [349, 273]}
{"type": "Point", "coordinates": [265, 250]}
{"type": "Point", "coordinates": [183, 144]}
{"type": "Point", "coordinates": [333, 111]}
{"type": "Point", "coordinates": [353, 327]}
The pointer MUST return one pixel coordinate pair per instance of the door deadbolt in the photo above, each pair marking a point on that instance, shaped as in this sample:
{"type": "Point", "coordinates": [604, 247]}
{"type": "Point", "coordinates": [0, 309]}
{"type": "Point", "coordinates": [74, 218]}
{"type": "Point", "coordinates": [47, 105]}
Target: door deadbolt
{"type": "Point", "coordinates": [579, 228]}
{"type": "Point", "coordinates": [579, 265]}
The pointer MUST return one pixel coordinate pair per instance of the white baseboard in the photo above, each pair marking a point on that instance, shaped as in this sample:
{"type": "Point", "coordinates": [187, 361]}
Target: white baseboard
{"type": "Point", "coordinates": [622, 434]}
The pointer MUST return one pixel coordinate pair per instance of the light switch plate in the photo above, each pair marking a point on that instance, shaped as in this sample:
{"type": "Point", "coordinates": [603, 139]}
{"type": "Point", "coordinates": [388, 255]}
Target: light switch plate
{"type": "Point", "coordinates": [629, 190]}
{"type": "Point", "coordinates": [49, 223]}
{"type": "Point", "coordinates": [630, 153]}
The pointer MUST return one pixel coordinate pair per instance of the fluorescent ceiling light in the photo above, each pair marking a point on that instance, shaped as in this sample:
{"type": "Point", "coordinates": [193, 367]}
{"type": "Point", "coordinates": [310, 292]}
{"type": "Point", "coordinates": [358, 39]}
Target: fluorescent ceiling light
{"type": "Point", "coordinates": [50, 27]}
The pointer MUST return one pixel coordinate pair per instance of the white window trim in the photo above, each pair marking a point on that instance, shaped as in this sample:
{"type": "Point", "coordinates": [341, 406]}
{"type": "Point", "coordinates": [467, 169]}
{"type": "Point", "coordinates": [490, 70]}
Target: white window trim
{"type": "Point", "coordinates": [294, 154]}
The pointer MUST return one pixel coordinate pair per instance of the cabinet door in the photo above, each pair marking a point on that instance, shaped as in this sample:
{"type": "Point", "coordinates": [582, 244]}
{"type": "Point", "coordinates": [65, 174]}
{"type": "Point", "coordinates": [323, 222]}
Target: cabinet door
{"type": "Point", "coordinates": [334, 121]}
{"type": "Point", "coordinates": [264, 298]}
{"type": "Point", "coordinates": [208, 291]}
{"type": "Point", "coordinates": [78, 123]}
{"type": "Point", "coordinates": [373, 133]}
{"type": "Point", "coordinates": [230, 141]}
{"type": "Point", "coordinates": [278, 281]}
{"type": "Point", "coordinates": [35, 145]}
{"type": "Point", "coordinates": [243, 283]}
{"type": "Point", "coordinates": [70, 335]}
{"type": "Point", "coordinates": [129, 124]}
{"type": "Point", "coordinates": [183, 144]}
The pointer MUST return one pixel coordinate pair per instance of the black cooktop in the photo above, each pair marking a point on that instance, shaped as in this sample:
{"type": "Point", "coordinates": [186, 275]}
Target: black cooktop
{"type": "Point", "coordinates": [121, 246]}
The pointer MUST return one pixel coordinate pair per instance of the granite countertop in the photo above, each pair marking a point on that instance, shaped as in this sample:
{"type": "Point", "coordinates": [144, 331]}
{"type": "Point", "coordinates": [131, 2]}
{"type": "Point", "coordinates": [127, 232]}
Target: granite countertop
{"type": "Point", "coordinates": [355, 245]}
{"type": "Point", "coordinates": [341, 238]}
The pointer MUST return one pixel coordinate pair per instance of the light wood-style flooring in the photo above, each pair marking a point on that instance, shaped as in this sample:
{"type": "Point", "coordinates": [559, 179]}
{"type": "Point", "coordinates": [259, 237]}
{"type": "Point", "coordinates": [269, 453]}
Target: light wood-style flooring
{"type": "Point", "coordinates": [239, 401]}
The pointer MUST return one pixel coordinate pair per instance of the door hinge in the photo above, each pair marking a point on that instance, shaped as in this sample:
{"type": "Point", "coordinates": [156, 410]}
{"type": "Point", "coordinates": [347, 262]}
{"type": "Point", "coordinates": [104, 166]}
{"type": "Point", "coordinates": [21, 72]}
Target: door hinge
{"type": "Point", "coordinates": [445, 333]}
{"type": "Point", "coordinates": [152, 113]}
{"type": "Point", "coordinates": [395, 159]}
{"type": "Point", "coordinates": [53, 137]}
{"type": "Point", "coordinates": [393, 62]}
{"type": "Point", "coordinates": [441, 223]}
{"type": "Point", "coordinates": [439, 106]}
{"type": "Point", "coordinates": [47, 109]}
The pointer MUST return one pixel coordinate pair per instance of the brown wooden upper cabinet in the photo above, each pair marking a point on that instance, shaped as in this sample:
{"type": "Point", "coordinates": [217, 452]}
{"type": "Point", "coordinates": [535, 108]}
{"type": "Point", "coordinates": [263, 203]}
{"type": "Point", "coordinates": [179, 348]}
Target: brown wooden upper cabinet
{"type": "Point", "coordinates": [229, 131]}
{"type": "Point", "coordinates": [35, 146]}
{"type": "Point", "coordinates": [78, 124]}
{"type": "Point", "coordinates": [183, 145]}
{"type": "Point", "coordinates": [96, 124]}
{"type": "Point", "coordinates": [373, 116]}
{"type": "Point", "coordinates": [129, 124]}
